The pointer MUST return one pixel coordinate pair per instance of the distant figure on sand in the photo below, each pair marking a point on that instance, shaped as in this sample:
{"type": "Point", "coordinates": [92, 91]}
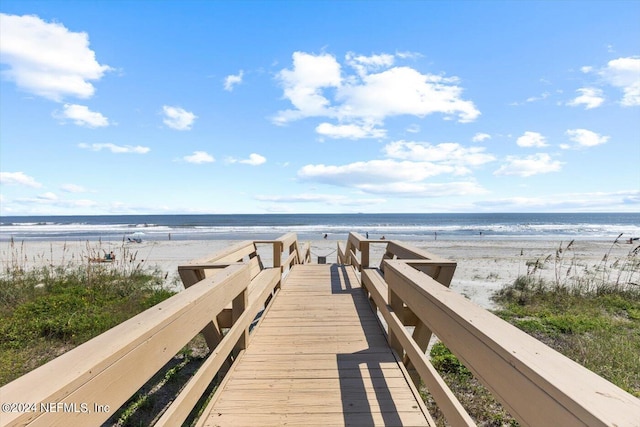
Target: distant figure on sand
{"type": "Point", "coordinates": [325, 235]}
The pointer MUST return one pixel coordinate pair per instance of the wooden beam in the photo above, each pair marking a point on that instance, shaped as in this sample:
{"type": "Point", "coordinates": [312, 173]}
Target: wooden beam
{"type": "Point", "coordinates": [108, 369]}
{"type": "Point", "coordinates": [452, 409]}
{"type": "Point", "coordinates": [189, 396]}
{"type": "Point", "coordinates": [536, 384]}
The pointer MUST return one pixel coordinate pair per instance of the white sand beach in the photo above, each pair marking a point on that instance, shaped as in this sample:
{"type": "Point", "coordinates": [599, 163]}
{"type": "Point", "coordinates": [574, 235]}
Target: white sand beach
{"type": "Point", "coordinates": [483, 265]}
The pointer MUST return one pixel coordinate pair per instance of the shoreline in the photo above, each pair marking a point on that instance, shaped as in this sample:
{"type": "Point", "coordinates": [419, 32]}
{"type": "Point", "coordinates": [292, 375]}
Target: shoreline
{"type": "Point", "coordinates": [484, 266]}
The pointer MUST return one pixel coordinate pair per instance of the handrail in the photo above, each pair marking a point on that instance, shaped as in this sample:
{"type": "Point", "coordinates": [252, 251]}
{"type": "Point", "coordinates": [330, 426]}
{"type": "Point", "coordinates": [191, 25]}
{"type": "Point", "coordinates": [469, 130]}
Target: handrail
{"type": "Point", "coordinates": [538, 385]}
{"type": "Point", "coordinates": [108, 369]}
{"type": "Point", "coordinates": [131, 352]}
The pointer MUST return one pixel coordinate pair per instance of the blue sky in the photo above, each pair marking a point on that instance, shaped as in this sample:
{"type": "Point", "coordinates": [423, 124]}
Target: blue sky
{"type": "Point", "coordinates": [159, 107]}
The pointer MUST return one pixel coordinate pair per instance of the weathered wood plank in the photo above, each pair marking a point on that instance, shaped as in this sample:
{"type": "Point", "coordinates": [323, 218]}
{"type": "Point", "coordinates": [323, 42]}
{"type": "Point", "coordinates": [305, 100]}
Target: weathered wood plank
{"type": "Point", "coordinates": [320, 330]}
{"type": "Point", "coordinates": [105, 369]}
{"type": "Point", "coordinates": [506, 359]}
{"type": "Point", "coordinates": [303, 419]}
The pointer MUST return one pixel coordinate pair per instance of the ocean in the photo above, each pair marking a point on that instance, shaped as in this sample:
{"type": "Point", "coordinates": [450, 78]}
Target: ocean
{"type": "Point", "coordinates": [405, 227]}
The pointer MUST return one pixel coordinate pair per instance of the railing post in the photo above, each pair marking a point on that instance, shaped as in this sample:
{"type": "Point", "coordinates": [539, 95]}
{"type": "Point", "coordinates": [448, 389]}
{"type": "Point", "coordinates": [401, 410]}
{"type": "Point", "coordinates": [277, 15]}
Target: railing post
{"type": "Point", "coordinates": [364, 254]}
{"type": "Point", "coordinates": [277, 254]}
{"type": "Point", "coordinates": [396, 304]}
{"type": "Point", "coordinates": [238, 307]}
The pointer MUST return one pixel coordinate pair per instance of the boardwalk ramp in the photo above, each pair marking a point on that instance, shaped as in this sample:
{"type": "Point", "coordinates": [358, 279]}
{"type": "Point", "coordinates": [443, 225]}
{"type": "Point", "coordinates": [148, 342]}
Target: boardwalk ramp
{"type": "Point", "coordinates": [300, 344]}
{"type": "Point", "coordinates": [319, 358]}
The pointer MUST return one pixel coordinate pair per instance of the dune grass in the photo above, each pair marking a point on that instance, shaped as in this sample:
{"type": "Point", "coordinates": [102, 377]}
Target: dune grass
{"type": "Point", "coordinates": [589, 313]}
{"type": "Point", "coordinates": [47, 309]}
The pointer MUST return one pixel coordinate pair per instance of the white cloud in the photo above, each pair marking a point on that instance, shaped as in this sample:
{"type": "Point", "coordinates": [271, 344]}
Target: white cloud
{"type": "Point", "coordinates": [178, 118]}
{"type": "Point", "coordinates": [373, 171]}
{"type": "Point", "coordinates": [624, 73]}
{"type": "Point", "coordinates": [82, 116]}
{"type": "Point", "coordinates": [304, 83]}
{"type": "Point", "coordinates": [479, 137]}
{"type": "Point", "coordinates": [48, 196]}
{"type": "Point", "coordinates": [390, 177]}
{"type": "Point", "coordinates": [73, 188]}
{"type": "Point", "coordinates": [350, 131]}
{"type": "Point", "coordinates": [118, 149]}
{"type": "Point", "coordinates": [253, 160]}
{"type": "Point", "coordinates": [424, 189]}
{"type": "Point", "coordinates": [405, 170]}
{"type": "Point", "coordinates": [232, 80]}
{"type": "Point", "coordinates": [448, 153]}
{"type": "Point", "coordinates": [589, 97]}
{"type": "Point", "coordinates": [18, 178]}
{"type": "Point", "coordinates": [413, 128]}
{"type": "Point", "coordinates": [404, 91]}
{"type": "Point", "coordinates": [542, 96]}
{"type": "Point", "coordinates": [571, 202]}
{"type": "Point", "coordinates": [199, 157]}
{"type": "Point", "coordinates": [326, 199]}
{"type": "Point", "coordinates": [366, 64]}
{"type": "Point", "coordinates": [47, 59]}
{"type": "Point", "coordinates": [317, 86]}
{"type": "Point", "coordinates": [528, 166]}
{"type": "Point", "coordinates": [531, 139]}
{"type": "Point", "coordinates": [585, 138]}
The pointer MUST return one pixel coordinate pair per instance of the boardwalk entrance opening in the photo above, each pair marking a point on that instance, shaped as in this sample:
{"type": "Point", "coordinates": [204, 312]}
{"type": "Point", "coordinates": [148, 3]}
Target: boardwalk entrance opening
{"type": "Point", "coordinates": [319, 345]}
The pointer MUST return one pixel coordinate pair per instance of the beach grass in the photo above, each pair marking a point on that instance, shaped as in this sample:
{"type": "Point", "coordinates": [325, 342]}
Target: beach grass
{"type": "Point", "coordinates": [47, 309]}
{"type": "Point", "coordinates": [51, 304]}
{"type": "Point", "coordinates": [589, 313]}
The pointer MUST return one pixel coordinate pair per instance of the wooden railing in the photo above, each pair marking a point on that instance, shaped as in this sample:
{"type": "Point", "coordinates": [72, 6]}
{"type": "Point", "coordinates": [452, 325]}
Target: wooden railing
{"type": "Point", "coordinates": [536, 384]}
{"type": "Point", "coordinates": [224, 295]}
{"type": "Point", "coordinates": [86, 385]}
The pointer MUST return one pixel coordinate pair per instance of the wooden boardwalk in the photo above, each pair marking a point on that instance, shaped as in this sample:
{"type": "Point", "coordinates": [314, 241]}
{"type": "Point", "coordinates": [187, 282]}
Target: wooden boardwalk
{"type": "Point", "coordinates": [318, 358]}
{"type": "Point", "coordinates": [318, 355]}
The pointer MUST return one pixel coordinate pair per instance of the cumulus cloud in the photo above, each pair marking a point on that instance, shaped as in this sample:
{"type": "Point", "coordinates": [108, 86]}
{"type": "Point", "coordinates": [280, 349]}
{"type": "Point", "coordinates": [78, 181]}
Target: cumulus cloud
{"type": "Point", "coordinates": [232, 80]}
{"type": "Point", "coordinates": [531, 139]}
{"type": "Point", "coordinates": [448, 153]}
{"type": "Point", "coordinates": [624, 73]}
{"type": "Point", "coordinates": [350, 131]}
{"type": "Point", "coordinates": [318, 86]}
{"type": "Point", "coordinates": [253, 160]}
{"type": "Point", "coordinates": [373, 171]}
{"type": "Point", "coordinates": [405, 170]}
{"type": "Point", "coordinates": [117, 149]}
{"type": "Point", "coordinates": [479, 137]}
{"type": "Point", "coordinates": [82, 116]}
{"type": "Point", "coordinates": [199, 157]}
{"type": "Point", "coordinates": [47, 59]}
{"type": "Point", "coordinates": [589, 97]}
{"type": "Point", "coordinates": [178, 118]}
{"type": "Point", "coordinates": [73, 188]}
{"type": "Point", "coordinates": [18, 178]}
{"type": "Point", "coordinates": [366, 64]}
{"type": "Point", "coordinates": [304, 83]}
{"type": "Point", "coordinates": [585, 138]}
{"type": "Point", "coordinates": [530, 165]}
